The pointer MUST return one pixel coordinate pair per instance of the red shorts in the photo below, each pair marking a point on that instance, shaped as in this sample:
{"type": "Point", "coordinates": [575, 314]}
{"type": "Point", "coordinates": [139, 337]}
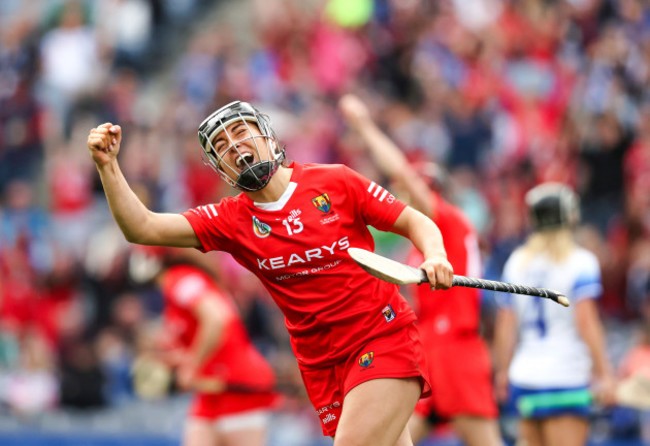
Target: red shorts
{"type": "Point", "coordinates": [396, 355]}
{"type": "Point", "coordinates": [460, 371]}
{"type": "Point", "coordinates": [212, 406]}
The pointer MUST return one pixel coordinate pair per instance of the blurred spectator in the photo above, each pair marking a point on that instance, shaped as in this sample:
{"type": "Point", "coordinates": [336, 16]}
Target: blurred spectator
{"type": "Point", "coordinates": [24, 221]}
{"type": "Point", "coordinates": [26, 257]}
{"type": "Point", "coordinates": [199, 184]}
{"type": "Point", "coordinates": [128, 314]}
{"type": "Point", "coordinates": [72, 66]}
{"type": "Point", "coordinates": [602, 185]}
{"type": "Point", "coordinates": [638, 280]}
{"type": "Point", "coordinates": [637, 174]}
{"type": "Point", "coordinates": [82, 380]}
{"type": "Point", "coordinates": [128, 32]}
{"type": "Point", "coordinates": [105, 267]}
{"type": "Point", "coordinates": [199, 71]}
{"type": "Point", "coordinates": [21, 132]}
{"type": "Point", "coordinates": [115, 356]}
{"type": "Point", "coordinates": [31, 388]}
{"type": "Point", "coordinates": [69, 181]}
{"type": "Point", "coordinates": [469, 133]}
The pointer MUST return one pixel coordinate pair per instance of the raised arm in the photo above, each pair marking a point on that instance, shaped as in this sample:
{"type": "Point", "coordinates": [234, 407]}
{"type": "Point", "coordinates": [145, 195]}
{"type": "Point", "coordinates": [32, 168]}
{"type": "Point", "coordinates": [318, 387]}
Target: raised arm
{"type": "Point", "coordinates": [386, 155]}
{"type": "Point", "coordinates": [138, 224]}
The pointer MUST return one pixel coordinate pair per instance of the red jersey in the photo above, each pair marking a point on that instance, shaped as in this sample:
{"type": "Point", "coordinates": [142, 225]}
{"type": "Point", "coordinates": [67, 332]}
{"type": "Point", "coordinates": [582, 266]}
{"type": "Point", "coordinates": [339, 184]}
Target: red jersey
{"type": "Point", "coordinates": [297, 247]}
{"type": "Point", "coordinates": [456, 310]}
{"type": "Point", "coordinates": [236, 360]}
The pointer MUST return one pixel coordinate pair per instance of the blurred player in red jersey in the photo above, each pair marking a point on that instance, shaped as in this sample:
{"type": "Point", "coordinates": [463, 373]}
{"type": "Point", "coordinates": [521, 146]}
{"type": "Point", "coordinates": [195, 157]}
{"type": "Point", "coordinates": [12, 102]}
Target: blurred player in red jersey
{"type": "Point", "coordinates": [353, 335]}
{"type": "Point", "coordinates": [459, 361]}
{"type": "Point", "coordinates": [207, 344]}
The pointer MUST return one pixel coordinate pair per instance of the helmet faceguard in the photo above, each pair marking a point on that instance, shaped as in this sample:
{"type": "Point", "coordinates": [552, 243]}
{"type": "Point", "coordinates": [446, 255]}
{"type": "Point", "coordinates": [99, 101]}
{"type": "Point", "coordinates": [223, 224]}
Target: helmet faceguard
{"type": "Point", "coordinates": [258, 168]}
{"type": "Point", "coordinates": [552, 206]}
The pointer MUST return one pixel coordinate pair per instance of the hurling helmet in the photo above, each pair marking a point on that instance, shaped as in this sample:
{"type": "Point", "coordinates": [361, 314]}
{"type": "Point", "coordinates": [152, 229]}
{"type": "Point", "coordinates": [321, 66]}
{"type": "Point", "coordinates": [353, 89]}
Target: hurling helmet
{"type": "Point", "coordinates": [552, 205]}
{"type": "Point", "coordinates": [252, 171]}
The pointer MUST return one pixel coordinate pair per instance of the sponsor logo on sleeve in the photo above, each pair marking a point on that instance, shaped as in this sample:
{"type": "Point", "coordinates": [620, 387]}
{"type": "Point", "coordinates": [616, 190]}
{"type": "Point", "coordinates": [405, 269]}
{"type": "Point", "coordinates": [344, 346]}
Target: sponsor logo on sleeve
{"type": "Point", "coordinates": [262, 230]}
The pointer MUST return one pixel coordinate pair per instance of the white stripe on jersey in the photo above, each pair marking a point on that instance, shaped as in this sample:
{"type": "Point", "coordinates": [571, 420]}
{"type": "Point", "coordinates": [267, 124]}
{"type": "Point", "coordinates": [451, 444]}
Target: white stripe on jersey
{"type": "Point", "coordinates": [209, 210]}
{"type": "Point", "coordinates": [377, 190]}
{"type": "Point", "coordinates": [374, 189]}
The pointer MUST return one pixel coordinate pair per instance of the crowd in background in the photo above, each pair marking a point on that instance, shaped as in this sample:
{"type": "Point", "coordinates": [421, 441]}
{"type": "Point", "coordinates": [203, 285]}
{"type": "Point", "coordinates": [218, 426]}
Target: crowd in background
{"type": "Point", "coordinates": [504, 94]}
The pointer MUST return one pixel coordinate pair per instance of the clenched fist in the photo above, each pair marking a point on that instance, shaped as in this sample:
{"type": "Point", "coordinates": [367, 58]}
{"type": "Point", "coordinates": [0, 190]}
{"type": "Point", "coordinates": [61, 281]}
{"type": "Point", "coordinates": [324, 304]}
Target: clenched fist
{"type": "Point", "coordinates": [104, 143]}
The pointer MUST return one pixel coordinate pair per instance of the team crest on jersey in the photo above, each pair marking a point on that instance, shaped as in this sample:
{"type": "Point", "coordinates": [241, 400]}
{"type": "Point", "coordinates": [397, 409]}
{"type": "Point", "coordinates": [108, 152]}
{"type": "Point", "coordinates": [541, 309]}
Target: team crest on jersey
{"type": "Point", "coordinates": [322, 203]}
{"type": "Point", "coordinates": [366, 359]}
{"type": "Point", "coordinates": [262, 230]}
{"type": "Point", "coordinates": [388, 312]}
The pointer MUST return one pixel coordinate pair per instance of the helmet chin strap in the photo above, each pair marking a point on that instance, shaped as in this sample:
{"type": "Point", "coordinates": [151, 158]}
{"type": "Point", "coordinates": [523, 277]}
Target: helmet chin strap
{"type": "Point", "coordinates": [256, 176]}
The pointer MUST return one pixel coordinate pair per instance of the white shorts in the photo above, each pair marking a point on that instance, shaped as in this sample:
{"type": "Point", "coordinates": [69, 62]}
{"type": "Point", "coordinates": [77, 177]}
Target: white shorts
{"type": "Point", "coordinates": [253, 419]}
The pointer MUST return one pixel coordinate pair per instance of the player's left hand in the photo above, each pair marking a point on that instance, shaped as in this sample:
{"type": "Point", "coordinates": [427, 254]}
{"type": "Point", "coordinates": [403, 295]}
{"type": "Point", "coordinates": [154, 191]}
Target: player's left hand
{"type": "Point", "coordinates": [439, 271]}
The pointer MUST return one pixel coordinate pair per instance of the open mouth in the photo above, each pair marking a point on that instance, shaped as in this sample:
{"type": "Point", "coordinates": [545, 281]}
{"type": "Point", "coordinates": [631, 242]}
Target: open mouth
{"type": "Point", "coordinates": [244, 160]}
